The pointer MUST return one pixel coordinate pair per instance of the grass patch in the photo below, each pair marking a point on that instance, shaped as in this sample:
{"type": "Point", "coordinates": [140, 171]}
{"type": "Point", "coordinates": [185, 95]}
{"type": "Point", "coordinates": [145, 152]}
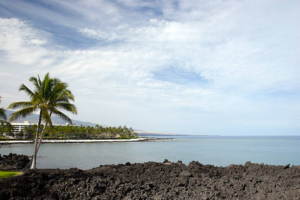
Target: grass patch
{"type": "Point", "coordinates": [8, 174]}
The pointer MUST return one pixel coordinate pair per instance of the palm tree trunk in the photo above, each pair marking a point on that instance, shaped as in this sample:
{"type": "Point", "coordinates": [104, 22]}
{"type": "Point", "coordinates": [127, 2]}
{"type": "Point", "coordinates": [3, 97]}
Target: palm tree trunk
{"type": "Point", "coordinates": [42, 135]}
{"type": "Point", "coordinates": [41, 138]}
{"type": "Point", "coordinates": [33, 162]}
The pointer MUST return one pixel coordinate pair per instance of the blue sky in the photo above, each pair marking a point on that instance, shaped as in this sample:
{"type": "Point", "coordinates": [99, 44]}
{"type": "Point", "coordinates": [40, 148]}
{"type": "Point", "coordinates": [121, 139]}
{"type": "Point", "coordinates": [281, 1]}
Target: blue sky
{"type": "Point", "coordinates": [190, 67]}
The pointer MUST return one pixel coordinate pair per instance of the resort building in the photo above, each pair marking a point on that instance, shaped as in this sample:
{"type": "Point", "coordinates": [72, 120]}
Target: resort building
{"type": "Point", "coordinates": [18, 127]}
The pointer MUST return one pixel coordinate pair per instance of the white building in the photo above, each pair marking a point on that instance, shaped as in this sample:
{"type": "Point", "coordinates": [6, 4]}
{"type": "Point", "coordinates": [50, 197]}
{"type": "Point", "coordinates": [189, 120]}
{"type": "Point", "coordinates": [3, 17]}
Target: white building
{"type": "Point", "coordinates": [18, 127]}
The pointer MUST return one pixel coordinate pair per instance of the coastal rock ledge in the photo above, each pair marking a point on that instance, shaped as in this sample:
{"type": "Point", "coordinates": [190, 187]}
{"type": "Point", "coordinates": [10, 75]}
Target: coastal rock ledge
{"type": "Point", "coordinates": [13, 161]}
{"type": "Point", "coordinates": [152, 180]}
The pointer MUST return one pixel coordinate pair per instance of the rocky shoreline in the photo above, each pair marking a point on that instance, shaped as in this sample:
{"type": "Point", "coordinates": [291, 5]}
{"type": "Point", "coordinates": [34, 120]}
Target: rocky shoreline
{"type": "Point", "coordinates": [152, 180]}
{"type": "Point", "coordinates": [13, 162]}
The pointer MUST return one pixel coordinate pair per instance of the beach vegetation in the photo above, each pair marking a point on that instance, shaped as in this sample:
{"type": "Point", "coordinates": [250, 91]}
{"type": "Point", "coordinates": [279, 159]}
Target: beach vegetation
{"type": "Point", "coordinates": [85, 132]}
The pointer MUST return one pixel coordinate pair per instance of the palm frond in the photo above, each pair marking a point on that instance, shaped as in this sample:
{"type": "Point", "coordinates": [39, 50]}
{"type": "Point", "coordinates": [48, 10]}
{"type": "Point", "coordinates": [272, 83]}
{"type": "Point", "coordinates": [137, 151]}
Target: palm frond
{"type": "Point", "coordinates": [35, 82]}
{"type": "Point", "coordinates": [47, 76]}
{"type": "Point", "coordinates": [68, 107]}
{"type": "Point", "coordinates": [6, 123]}
{"type": "Point", "coordinates": [26, 89]}
{"type": "Point", "coordinates": [40, 89]}
{"type": "Point", "coordinates": [61, 115]}
{"type": "Point", "coordinates": [48, 85]}
{"type": "Point", "coordinates": [40, 82]}
{"type": "Point", "coordinates": [22, 104]}
{"type": "Point", "coordinates": [70, 95]}
{"type": "Point", "coordinates": [61, 99]}
{"type": "Point", "coordinates": [37, 98]}
{"type": "Point", "coordinates": [2, 114]}
{"type": "Point", "coordinates": [22, 113]}
{"type": "Point", "coordinates": [46, 116]}
{"type": "Point", "coordinates": [58, 89]}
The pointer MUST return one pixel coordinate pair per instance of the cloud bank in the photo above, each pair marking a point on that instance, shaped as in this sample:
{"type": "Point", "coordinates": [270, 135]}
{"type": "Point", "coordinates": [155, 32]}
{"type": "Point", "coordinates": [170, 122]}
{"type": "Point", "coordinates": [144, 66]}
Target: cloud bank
{"type": "Point", "coordinates": [190, 67]}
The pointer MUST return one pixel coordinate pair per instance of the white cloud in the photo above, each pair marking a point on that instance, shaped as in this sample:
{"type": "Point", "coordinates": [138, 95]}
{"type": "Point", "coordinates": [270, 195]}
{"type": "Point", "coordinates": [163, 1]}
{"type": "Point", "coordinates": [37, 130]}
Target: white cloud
{"type": "Point", "coordinates": [239, 49]}
{"type": "Point", "coordinates": [21, 43]}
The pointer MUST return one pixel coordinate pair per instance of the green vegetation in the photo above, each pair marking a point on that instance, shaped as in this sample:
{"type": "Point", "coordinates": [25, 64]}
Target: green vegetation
{"type": "Point", "coordinates": [81, 132]}
{"type": "Point", "coordinates": [6, 128]}
{"type": "Point", "coordinates": [8, 174]}
{"type": "Point", "coordinates": [2, 112]}
{"type": "Point", "coordinates": [4, 125]}
{"type": "Point", "coordinates": [49, 95]}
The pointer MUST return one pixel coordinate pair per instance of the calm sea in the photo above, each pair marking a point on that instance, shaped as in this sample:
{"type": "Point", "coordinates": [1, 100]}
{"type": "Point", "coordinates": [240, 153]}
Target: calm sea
{"type": "Point", "coordinates": [215, 150]}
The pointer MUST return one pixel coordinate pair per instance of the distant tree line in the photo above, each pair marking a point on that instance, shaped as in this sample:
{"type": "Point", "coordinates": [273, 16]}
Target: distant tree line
{"type": "Point", "coordinates": [75, 132]}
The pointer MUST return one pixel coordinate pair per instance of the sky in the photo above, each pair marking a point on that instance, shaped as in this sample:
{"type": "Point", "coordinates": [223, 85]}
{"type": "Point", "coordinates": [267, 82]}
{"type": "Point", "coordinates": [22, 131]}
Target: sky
{"type": "Point", "coordinates": [218, 67]}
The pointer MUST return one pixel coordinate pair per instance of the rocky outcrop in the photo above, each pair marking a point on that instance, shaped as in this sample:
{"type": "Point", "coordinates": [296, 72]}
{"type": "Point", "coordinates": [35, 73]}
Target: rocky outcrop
{"type": "Point", "coordinates": [152, 180]}
{"type": "Point", "coordinates": [13, 161]}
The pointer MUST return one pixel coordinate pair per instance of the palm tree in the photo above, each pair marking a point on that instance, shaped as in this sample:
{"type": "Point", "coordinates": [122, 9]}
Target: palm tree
{"type": "Point", "coordinates": [49, 95]}
{"type": "Point", "coordinates": [62, 98]}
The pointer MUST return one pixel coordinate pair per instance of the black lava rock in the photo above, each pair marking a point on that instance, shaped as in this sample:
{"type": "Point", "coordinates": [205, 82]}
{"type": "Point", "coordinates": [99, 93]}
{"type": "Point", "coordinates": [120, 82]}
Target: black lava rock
{"type": "Point", "coordinates": [153, 180]}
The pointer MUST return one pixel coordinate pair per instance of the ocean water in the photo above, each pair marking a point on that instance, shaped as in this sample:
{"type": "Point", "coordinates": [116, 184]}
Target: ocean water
{"type": "Point", "coordinates": [214, 150]}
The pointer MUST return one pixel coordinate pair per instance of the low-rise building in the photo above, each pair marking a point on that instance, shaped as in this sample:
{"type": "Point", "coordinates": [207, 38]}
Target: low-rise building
{"type": "Point", "coordinates": [18, 127]}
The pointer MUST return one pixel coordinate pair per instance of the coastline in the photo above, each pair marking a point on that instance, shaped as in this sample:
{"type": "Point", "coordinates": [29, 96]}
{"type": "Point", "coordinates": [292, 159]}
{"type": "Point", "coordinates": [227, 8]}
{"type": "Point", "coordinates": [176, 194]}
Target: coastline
{"type": "Point", "coordinates": [144, 139]}
{"type": "Point", "coordinates": [155, 180]}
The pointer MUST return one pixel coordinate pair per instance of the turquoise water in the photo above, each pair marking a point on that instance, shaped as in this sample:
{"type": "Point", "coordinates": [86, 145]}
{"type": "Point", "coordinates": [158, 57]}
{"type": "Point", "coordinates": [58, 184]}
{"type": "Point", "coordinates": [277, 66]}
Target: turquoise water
{"type": "Point", "coordinates": [218, 151]}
